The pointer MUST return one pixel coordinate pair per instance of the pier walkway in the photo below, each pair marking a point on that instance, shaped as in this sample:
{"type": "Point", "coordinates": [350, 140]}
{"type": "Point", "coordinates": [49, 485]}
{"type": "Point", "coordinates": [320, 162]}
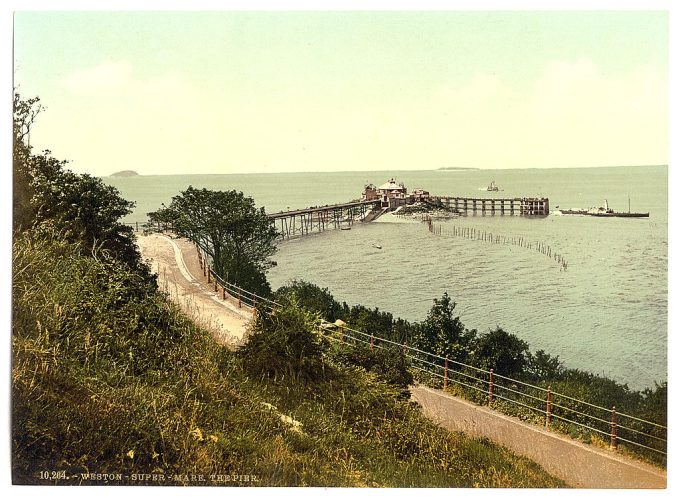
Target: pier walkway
{"type": "Point", "coordinates": [318, 219]}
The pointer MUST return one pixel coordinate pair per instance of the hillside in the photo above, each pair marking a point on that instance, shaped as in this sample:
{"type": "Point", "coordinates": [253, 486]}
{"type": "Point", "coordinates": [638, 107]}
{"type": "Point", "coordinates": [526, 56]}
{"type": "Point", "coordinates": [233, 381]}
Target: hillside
{"type": "Point", "coordinates": [110, 378]}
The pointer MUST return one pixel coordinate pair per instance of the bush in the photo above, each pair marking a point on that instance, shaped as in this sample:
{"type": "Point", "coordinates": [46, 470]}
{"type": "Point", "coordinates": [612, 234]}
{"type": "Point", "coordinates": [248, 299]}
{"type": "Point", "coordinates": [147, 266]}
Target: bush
{"type": "Point", "coordinates": [284, 343]}
{"type": "Point", "coordinates": [388, 364]}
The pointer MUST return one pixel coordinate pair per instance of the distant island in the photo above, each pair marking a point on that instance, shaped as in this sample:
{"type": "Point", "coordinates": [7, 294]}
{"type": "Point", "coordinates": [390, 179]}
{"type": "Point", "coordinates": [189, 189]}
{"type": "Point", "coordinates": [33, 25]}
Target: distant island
{"type": "Point", "coordinates": [458, 168]}
{"type": "Point", "coordinates": [125, 173]}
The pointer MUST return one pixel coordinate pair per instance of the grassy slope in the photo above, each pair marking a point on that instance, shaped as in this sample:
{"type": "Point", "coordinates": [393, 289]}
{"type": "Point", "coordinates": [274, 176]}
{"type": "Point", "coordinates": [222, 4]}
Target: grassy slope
{"type": "Point", "coordinates": [109, 377]}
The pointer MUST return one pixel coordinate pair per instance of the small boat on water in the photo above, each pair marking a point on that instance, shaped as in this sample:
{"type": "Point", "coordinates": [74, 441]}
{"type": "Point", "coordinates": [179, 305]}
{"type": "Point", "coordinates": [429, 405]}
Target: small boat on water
{"type": "Point", "coordinates": [377, 246]}
{"type": "Point", "coordinates": [575, 211]}
{"type": "Point", "coordinates": [492, 186]}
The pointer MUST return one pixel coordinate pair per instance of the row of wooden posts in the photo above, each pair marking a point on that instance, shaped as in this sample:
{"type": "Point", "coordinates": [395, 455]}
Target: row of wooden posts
{"type": "Point", "coordinates": [475, 234]}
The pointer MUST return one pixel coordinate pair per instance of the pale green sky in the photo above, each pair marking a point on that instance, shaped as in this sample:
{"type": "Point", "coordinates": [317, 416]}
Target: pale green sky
{"type": "Point", "coordinates": [219, 92]}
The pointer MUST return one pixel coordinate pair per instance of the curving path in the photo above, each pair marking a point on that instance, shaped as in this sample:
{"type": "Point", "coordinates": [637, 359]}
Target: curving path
{"type": "Point", "coordinates": [180, 275]}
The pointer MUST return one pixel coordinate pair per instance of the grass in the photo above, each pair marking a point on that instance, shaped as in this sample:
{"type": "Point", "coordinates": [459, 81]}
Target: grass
{"type": "Point", "coordinates": [109, 377]}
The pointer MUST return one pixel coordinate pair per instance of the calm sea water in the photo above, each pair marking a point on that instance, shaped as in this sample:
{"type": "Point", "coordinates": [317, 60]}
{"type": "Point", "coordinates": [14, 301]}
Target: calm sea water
{"type": "Point", "coordinates": [606, 314]}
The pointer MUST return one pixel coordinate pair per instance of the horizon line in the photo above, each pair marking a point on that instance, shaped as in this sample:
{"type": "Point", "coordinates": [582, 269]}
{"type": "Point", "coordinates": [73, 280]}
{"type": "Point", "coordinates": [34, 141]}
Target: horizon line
{"type": "Point", "coordinates": [443, 169]}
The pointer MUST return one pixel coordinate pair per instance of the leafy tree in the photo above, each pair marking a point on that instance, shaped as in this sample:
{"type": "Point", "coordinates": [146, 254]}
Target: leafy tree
{"type": "Point", "coordinates": [443, 334]}
{"type": "Point", "coordinates": [371, 321]}
{"type": "Point", "coordinates": [25, 113]}
{"type": "Point", "coordinates": [504, 353]}
{"type": "Point", "coordinates": [541, 366]}
{"type": "Point", "coordinates": [81, 207]}
{"type": "Point", "coordinates": [238, 237]}
{"type": "Point", "coordinates": [313, 298]}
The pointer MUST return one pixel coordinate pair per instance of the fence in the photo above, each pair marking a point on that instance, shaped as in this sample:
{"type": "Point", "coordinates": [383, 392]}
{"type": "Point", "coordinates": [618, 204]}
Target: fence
{"type": "Point", "coordinates": [143, 226]}
{"type": "Point", "coordinates": [484, 386]}
{"type": "Point", "coordinates": [504, 392]}
{"type": "Point", "coordinates": [488, 237]}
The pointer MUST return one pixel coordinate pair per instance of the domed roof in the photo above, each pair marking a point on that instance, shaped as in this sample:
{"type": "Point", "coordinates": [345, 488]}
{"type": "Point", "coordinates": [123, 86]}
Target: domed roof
{"type": "Point", "coordinates": [391, 185]}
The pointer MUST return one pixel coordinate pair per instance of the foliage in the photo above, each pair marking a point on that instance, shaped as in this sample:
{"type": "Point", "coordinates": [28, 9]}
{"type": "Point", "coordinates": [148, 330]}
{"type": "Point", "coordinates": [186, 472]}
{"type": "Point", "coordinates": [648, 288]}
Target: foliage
{"type": "Point", "coordinates": [238, 236]}
{"type": "Point", "coordinates": [388, 364]}
{"type": "Point", "coordinates": [25, 113]}
{"type": "Point", "coordinates": [443, 334]}
{"type": "Point", "coordinates": [313, 298]}
{"type": "Point", "coordinates": [109, 377]}
{"type": "Point", "coordinates": [81, 207]}
{"type": "Point", "coordinates": [540, 366]}
{"type": "Point", "coordinates": [284, 343]}
{"type": "Point", "coordinates": [500, 351]}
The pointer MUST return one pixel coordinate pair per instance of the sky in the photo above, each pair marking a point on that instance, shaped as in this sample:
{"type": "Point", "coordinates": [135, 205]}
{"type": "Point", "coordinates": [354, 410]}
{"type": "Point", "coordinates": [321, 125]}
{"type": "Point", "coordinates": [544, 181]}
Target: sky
{"type": "Point", "coordinates": [240, 92]}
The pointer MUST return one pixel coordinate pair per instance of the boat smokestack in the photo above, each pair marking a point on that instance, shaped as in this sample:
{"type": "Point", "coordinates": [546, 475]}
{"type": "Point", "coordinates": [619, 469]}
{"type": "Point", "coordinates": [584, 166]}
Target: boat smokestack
{"type": "Point", "coordinates": [606, 205]}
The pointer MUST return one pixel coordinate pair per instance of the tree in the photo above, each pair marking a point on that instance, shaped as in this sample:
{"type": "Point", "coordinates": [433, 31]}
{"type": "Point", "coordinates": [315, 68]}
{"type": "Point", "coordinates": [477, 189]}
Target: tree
{"type": "Point", "coordinates": [542, 366]}
{"type": "Point", "coordinates": [313, 298]}
{"type": "Point", "coordinates": [25, 113]}
{"type": "Point", "coordinates": [81, 207]}
{"type": "Point", "coordinates": [443, 334]}
{"type": "Point", "coordinates": [238, 237]}
{"type": "Point", "coordinates": [504, 353]}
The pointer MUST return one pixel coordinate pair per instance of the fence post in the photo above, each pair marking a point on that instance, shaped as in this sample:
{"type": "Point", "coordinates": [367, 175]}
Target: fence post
{"type": "Point", "coordinates": [490, 386]}
{"type": "Point", "coordinates": [137, 226]}
{"type": "Point", "coordinates": [239, 296]}
{"type": "Point", "coordinates": [215, 282]}
{"type": "Point", "coordinates": [371, 342]}
{"type": "Point", "coordinates": [613, 441]}
{"type": "Point", "coordinates": [224, 293]}
{"type": "Point", "coordinates": [208, 274]}
{"type": "Point", "coordinates": [254, 307]}
{"type": "Point", "coordinates": [548, 408]}
{"type": "Point", "coordinates": [405, 349]}
{"type": "Point", "coordinates": [446, 372]}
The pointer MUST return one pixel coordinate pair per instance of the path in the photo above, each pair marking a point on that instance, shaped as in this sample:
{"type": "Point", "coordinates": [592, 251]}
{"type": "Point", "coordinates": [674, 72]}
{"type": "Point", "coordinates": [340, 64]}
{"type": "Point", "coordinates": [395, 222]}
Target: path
{"type": "Point", "coordinates": [578, 464]}
{"type": "Point", "coordinates": [179, 274]}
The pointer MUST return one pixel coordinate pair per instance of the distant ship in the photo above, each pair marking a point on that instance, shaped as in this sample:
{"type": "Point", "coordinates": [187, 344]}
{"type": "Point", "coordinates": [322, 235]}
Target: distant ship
{"type": "Point", "coordinates": [605, 211]}
{"type": "Point", "coordinates": [492, 186]}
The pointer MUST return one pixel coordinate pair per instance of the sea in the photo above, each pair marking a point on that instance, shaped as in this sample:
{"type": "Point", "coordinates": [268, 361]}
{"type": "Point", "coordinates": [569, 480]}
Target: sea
{"type": "Point", "coordinates": [606, 313]}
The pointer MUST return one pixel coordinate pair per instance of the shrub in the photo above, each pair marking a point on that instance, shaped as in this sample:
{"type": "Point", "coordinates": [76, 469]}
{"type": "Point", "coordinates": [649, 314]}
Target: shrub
{"type": "Point", "coordinates": [284, 343]}
{"type": "Point", "coordinates": [388, 364]}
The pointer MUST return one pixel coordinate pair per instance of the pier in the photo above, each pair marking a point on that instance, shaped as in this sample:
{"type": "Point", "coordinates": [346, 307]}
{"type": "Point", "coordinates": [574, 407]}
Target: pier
{"type": "Point", "coordinates": [318, 219]}
{"type": "Point", "coordinates": [493, 206]}
{"type": "Point", "coordinates": [375, 201]}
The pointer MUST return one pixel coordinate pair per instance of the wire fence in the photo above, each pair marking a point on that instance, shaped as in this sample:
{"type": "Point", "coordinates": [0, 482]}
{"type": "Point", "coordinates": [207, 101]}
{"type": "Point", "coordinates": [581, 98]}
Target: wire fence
{"type": "Point", "coordinates": [530, 402]}
{"type": "Point", "coordinates": [509, 395]}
